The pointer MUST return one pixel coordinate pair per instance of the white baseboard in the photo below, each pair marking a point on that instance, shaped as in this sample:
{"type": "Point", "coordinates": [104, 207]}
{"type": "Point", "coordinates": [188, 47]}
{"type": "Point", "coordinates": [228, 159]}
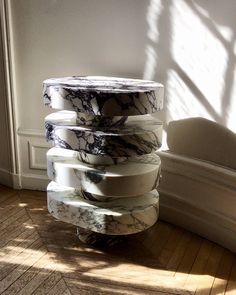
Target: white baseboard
{"type": "Point", "coordinates": [24, 181]}
{"type": "Point", "coordinates": [200, 197]}
{"type": "Point", "coordinates": [6, 178]}
{"type": "Point", "coordinates": [34, 182]}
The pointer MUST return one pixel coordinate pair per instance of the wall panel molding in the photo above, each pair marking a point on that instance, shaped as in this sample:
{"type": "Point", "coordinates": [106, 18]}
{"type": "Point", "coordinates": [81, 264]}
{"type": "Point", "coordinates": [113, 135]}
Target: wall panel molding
{"type": "Point", "coordinates": [34, 181]}
{"type": "Point", "coordinates": [37, 153]}
{"type": "Point", "coordinates": [33, 149]}
{"type": "Point", "coordinates": [11, 109]}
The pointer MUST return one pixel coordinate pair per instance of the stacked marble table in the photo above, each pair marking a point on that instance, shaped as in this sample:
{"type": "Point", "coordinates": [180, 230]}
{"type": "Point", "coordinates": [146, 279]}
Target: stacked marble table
{"type": "Point", "coordinates": [103, 165]}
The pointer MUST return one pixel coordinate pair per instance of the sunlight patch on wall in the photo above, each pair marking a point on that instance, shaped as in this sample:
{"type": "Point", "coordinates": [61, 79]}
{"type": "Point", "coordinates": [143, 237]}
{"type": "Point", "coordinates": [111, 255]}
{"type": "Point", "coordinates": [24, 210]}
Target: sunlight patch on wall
{"type": "Point", "coordinates": [231, 122]}
{"type": "Point", "coordinates": [153, 13]}
{"type": "Point", "coordinates": [182, 102]}
{"type": "Point", "coordinates": [203, 60]}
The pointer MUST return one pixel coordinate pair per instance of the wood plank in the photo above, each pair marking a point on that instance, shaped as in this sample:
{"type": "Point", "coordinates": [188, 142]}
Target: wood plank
{"type": "Point", "coordinates": [188, 260]}
{"type": "Point", "coordinates": [178, 252]}
{"type": "Point", "coordinates": [59, 288]}
{"type": "Point", "coordinates": [17, 272]}
{"type": "Point", "coordinates": [168, 249]}
{"type": "Point", "coordinates": [14, 230]}
{"type": "Point", "coordinates": [11, 263]}
{"type": "Point", "coordinates": [162, 260]}
{"type": "Point", "coordinates": [48, 284]}
{"type": "Point", "coordinates": [31, 279]}
{"type": "Point", "coordinates": [17, 244]}
{"type": "Point", "coordinates": [231, 284]}
{"type": "Point", "coordinates": [67, 292]}
{"type": "Point", "coordinates": [200, 262]}
{"type": "Point", "coordinates": [223, 272]}
{"type": "Point", "coordinates": [9, 211]}
{"type": "Point", "coordinates": [20, 212]}
{"type": "Point", "coordinates": [208, 275]}
{"type": "Point", "coordinates": [7, 195]}
{"type": "Point", "coordinates": [37, 280]}
{"type": "Point", "coordinates": [84, 286]}
{"type": "Point", "coordinates": [128, 278]}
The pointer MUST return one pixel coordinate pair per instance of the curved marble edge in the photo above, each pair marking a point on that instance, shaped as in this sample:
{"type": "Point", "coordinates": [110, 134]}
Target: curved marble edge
{"type": "Point", "coordinates": [136, 137]}
{"type": "Point", "coordinates": [100, 159]}
{"type": "Point", "coordinates": [100, 121]}
{"type": "Point", "coordinates": [104, 96]}
{"type": "Point", "coordinates": [117, 217]}
{"type": "Point", "coordinates": [73, 118]}
{"type": "Point", "coordinates": [106, 160]}
{"type": "Point", "coordinates": [104, 83]}
{"type": "Point", "coordinates": [130, 178]}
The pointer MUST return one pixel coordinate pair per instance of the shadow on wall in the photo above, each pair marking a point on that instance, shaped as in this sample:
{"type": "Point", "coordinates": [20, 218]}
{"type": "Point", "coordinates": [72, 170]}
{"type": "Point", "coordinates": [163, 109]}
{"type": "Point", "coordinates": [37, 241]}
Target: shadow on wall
{"type": "Point", "coordinates": [191, 49]}
{"type": "Point", "coordinates": [202, 139]}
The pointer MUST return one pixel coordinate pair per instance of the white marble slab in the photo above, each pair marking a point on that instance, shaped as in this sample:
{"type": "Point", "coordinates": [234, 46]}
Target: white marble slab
{"type": "Point", "coordinates": [73, 118]}
{"type": "Point", "coordinates": [117, 217]}
{"type": "Point", "coordinates": [138, 136]}
{"type": "Point", "coordinates": [105, 96]}
{"type": "Point", "coordinates": [134, 177]}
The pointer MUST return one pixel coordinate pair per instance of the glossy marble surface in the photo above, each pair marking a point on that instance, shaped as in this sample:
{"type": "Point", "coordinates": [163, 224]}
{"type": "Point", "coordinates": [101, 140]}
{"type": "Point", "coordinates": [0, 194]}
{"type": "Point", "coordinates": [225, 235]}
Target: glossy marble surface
{"type": "Point", "coordinates": [134, 177]}
{"type": "Point", "coordinates": [107, 96]}
{"type": "Point", "coordinates": [85, 119]}
{"type": "Point", "coordinates": [137, 136]}
{"type": "Point", "coordinates": [116, 217]}
{"type": "Point", "coordinates": [103, 166]}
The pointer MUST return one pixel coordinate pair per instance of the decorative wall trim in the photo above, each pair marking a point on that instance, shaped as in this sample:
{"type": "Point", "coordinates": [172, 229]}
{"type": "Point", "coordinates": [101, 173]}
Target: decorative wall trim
{"type": "Point", "coordinates": [31, 133]}
{"type": "Point", "coordinates": [33, 149]}
{"type": "Point", "coordinates": [36, 153]}
{"type": "Point", "coordinates": [10, 179]}
{"type": "Point", "coordinates": [202, 171]}
{"type": "Point", "coordinates": [11, 109]}
{"type": "Point", "coordinates": [34, 182]}
{"type": "Point", "coordinates": [200, 197]}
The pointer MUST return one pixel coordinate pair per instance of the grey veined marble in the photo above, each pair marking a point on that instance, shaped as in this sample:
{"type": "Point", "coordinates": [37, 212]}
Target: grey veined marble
{"type": "Point", "coordinates": [103, 165]}
{"type": "Point", "coordinates": [136, 176]}
{"type": "Point", "coordinates": [138, 136]}
{"type": "Point", "coordinates": [116, 217]}
{"type": "Point", "coordinates": [104, 96]}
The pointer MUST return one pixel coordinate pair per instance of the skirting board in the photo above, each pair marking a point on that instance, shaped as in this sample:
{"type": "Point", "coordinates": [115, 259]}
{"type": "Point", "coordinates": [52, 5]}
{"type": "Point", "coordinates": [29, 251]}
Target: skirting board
{"type": "Point", "coordinates": [24, 181]}
{"type": "Point", "coordinates": [200, 197]}
{"type": "Point", "coordinates": [34, 182]}
{"type": "Point", "coordinates": [6, 178]}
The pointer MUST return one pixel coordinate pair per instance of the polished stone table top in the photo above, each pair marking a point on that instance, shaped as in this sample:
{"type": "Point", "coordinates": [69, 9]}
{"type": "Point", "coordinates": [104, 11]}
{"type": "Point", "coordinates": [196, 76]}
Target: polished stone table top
{"type": "Point", "coordinates": [104, 96]}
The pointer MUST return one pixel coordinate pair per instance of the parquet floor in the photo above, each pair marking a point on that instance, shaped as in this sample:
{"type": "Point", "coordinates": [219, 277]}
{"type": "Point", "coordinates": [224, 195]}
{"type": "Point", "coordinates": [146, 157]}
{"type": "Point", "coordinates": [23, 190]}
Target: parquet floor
{"type": "Point", "coordinates": [39, 255]}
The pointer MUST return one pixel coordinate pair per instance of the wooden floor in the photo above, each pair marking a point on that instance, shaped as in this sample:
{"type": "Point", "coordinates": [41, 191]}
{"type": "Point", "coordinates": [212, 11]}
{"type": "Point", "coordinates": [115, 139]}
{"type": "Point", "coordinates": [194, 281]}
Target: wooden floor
{"type": "Point", "coordinates": [39, 255]}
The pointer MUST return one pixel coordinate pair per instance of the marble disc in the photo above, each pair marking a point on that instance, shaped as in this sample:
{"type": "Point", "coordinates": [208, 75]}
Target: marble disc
{"type": "Point", "coordinates": [130, 178]}
{"type": "Point", "coordinates": [73, 118]}
{"type": "Point", "coordinates": [137, 136]}
{"type": "Point", "coordinates": [104, 96]}
{"type": "Point", "coordinates": [117, 217]}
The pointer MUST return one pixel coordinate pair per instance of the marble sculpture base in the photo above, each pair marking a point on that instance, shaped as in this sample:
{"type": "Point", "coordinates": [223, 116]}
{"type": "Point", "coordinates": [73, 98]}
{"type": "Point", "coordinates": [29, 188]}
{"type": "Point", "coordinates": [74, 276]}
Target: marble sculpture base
{"type": "Point", "coordinates": [103, 166]}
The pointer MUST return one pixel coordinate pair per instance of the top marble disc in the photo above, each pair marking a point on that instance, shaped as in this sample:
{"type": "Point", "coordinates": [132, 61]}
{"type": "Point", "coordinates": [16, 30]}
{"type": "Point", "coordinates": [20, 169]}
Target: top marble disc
{"type": "Point", "coordinates": [104, 96]}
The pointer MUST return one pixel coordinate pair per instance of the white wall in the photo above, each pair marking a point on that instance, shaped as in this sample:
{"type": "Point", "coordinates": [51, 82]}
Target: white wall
{"type": "Point", "coordinates": [59, 38]}
{"type": "Point", "coordinates": [189, 46]}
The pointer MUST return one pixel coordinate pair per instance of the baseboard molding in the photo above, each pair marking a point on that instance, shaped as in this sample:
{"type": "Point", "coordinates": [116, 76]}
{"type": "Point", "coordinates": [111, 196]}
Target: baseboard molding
{"type": "Point", "coordinates": [210, 226]}
{"type": "Point", "coordinates": [24, 181]}
{"type": "Point", "coordinates": [34, 182]}
{"type": "Point", "coordinates": [6, 178]}
{"type": "Point", "coordinates": [200, 197]}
